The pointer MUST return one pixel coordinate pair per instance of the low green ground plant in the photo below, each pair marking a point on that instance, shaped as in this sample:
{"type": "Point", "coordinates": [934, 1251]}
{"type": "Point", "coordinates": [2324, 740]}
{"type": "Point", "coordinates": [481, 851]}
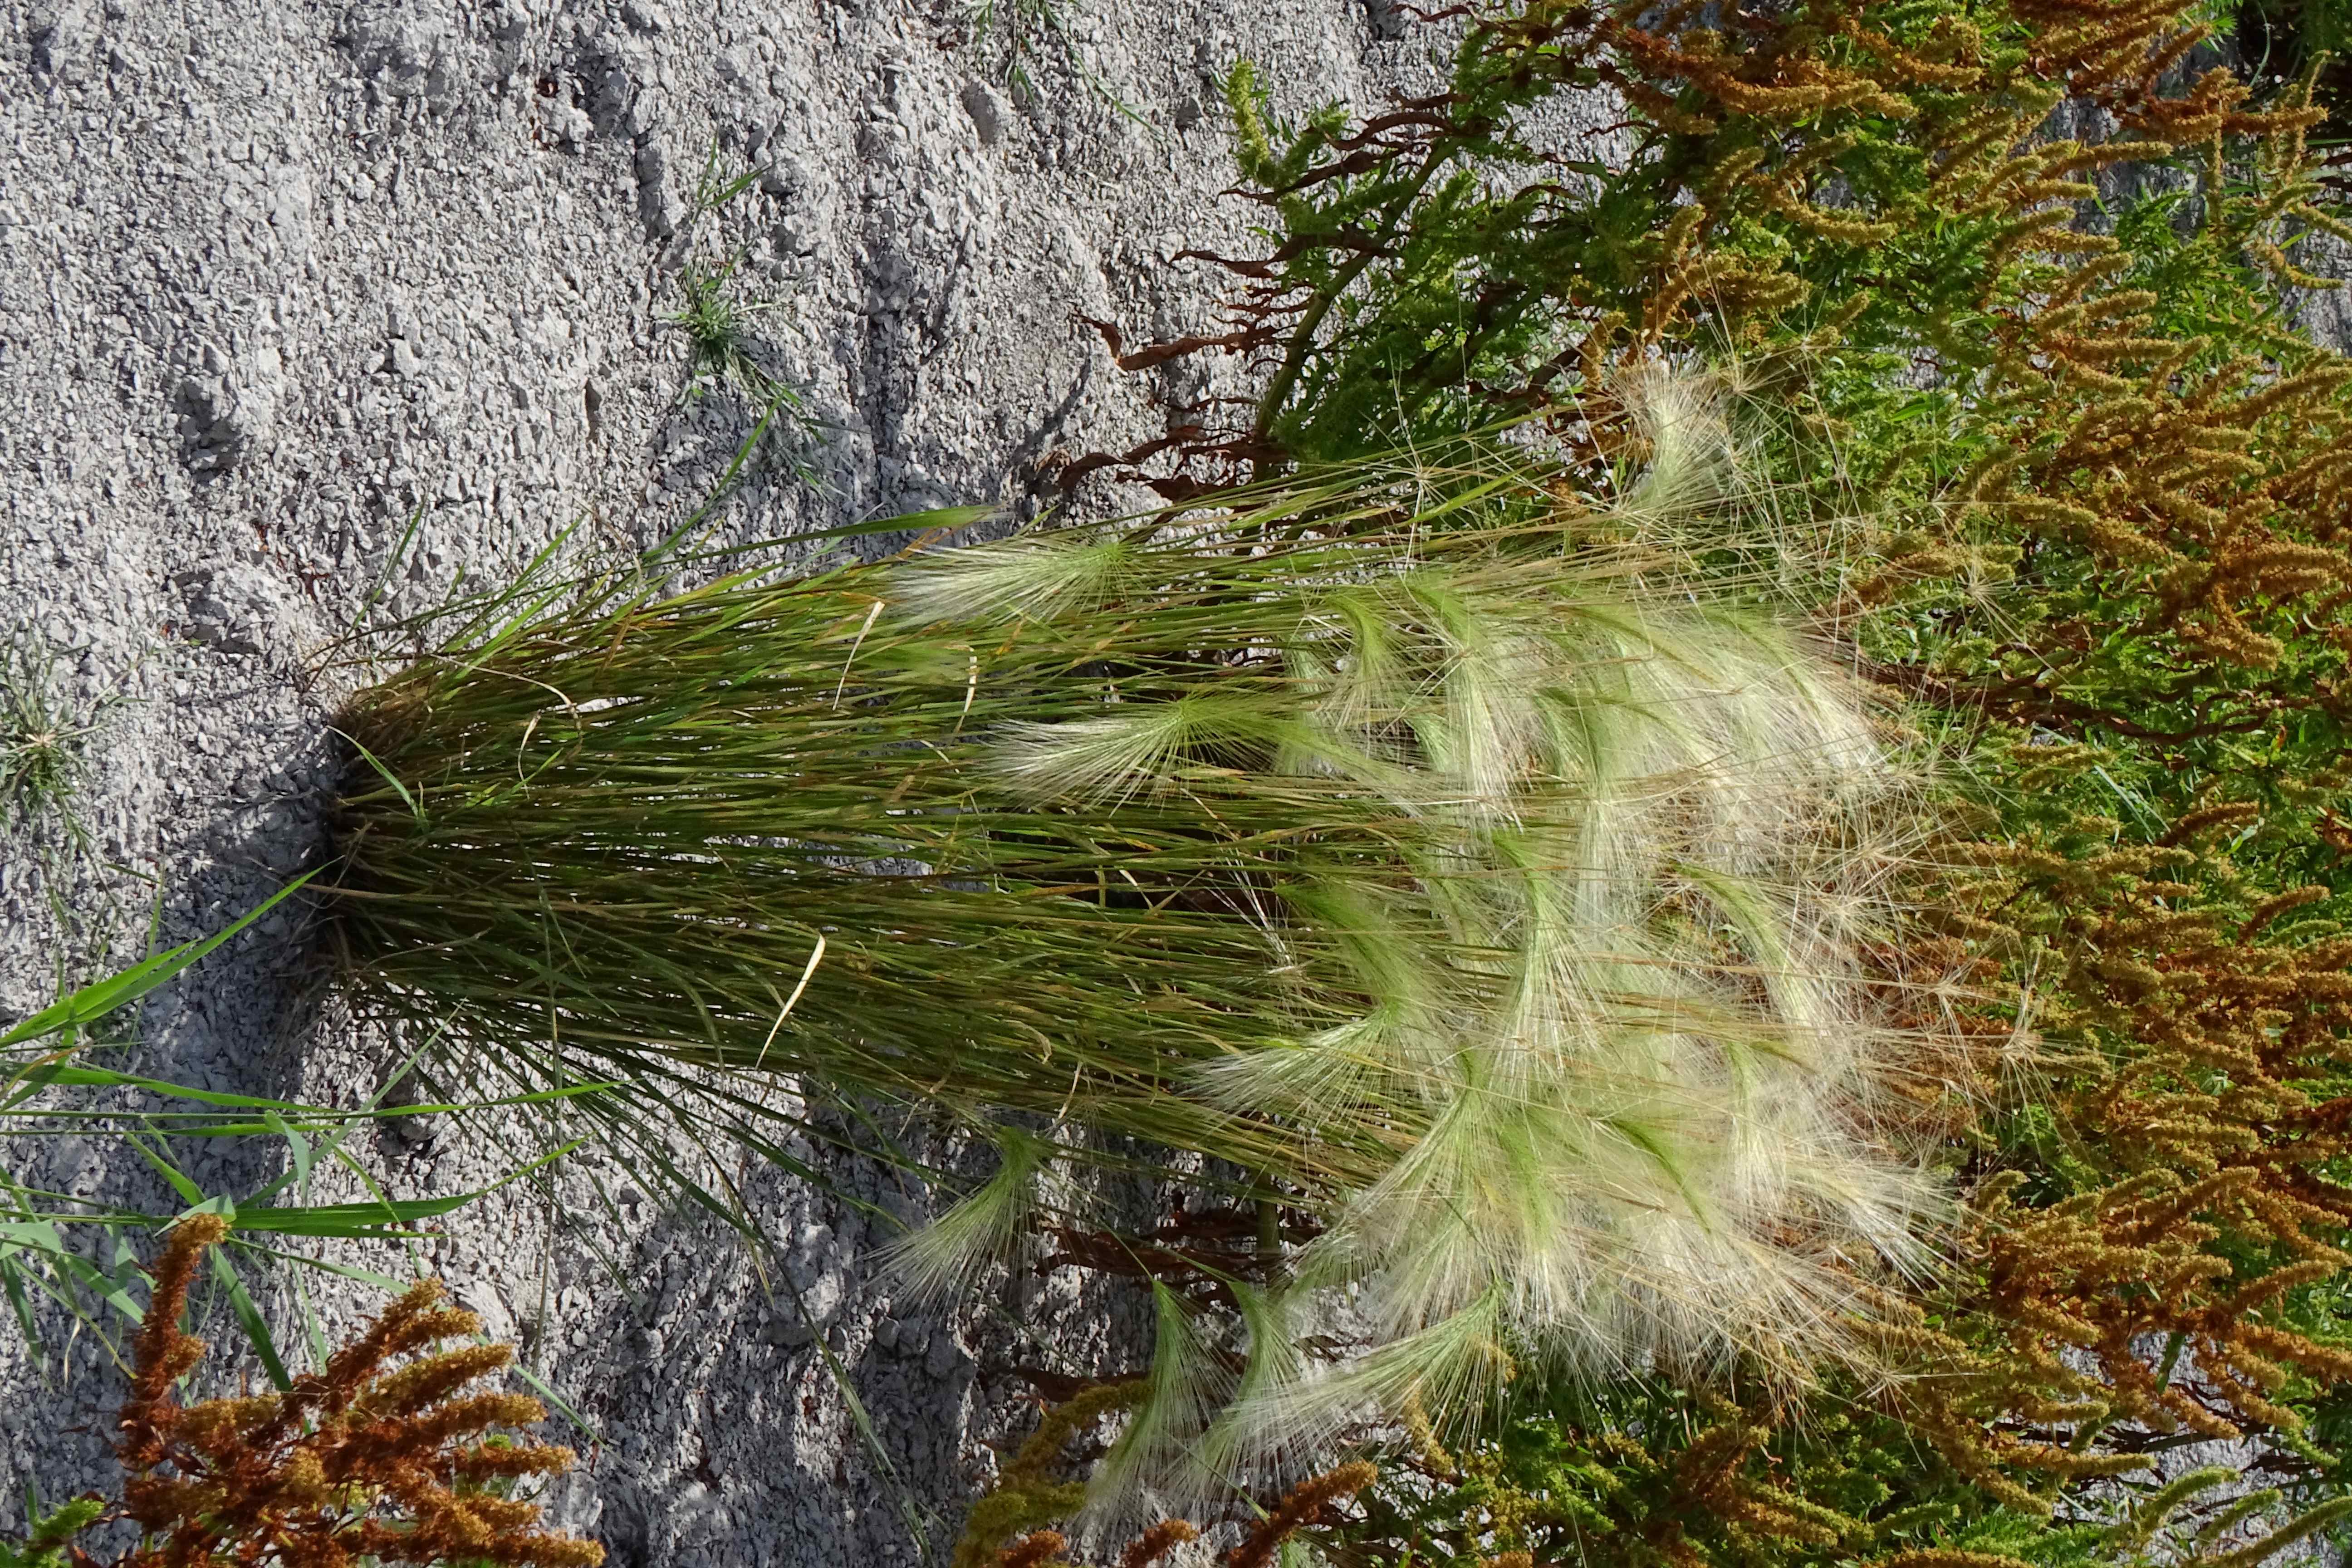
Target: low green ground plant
{"type": "Point", "coordinates": [71, 1259]}
{"type": "Point", "coordinates": [718, 318]}
{"type": "Point", "coordinates": [718, 328]}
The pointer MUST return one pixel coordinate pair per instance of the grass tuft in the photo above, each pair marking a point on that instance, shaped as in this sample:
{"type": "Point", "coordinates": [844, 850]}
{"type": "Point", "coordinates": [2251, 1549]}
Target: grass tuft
{"type": "Point", "coordinates": [722, 342]}
{"type": "Point", "coordinates": [1012, 35]}
{"type": "Point", "coordinates": [1468, 872]}
{"type": "Point", "coordinates": [725, 351]}
{"type": "Point", "coordinates": [42, 765]}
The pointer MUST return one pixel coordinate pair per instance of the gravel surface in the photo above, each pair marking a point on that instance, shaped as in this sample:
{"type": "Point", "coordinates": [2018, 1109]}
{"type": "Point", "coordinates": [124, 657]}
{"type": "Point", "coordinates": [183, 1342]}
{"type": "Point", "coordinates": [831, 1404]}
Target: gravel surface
{"type": "Point", "coordinates": [305, 305]}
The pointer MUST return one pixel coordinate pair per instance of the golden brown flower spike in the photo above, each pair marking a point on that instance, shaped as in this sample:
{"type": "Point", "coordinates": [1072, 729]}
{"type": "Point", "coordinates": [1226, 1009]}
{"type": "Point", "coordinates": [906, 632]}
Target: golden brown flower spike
{"type": "Point", "coordinates": [1032, 1551]}
{"type": "Point", "coordinates": [362, 1462]}
{"type": "Point", "coordinates": [1305, 1506]}
{"type": "Point", "coordinates": [1157, 1542]}
{"type": "Point", "coordinates": [164, 1354]}
{"type": "Point", "coordinates": [1026, 1493]}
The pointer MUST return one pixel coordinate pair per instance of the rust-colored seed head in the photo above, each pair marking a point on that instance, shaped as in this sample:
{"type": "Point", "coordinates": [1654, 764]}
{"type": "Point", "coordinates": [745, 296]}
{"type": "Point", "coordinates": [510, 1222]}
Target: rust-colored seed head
{"type": "Point", "coordinates": [1032, 1551]}
{"type": "Point", "coordinates": [354, 1462]}
{"type": "Point", "coordinates": [1304, 1506]}
{"type": "Point", "coordinates": [1157, 1542]}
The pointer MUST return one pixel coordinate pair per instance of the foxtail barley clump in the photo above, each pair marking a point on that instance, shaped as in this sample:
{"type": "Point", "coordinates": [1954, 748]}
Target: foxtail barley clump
{"type": "Point", "coordinates": [1490, 890]}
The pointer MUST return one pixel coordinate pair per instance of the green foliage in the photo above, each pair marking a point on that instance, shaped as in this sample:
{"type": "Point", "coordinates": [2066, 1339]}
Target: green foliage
{"type": "Point", "coordinates": [1841, 176]}
{"type": "Point", "coordinates": [720, 343]}
{"type": "Point", "coordinates": [68, 1254]}
{"type": "Point", "coordinates": [50, 1536]}
{"type": "Point", "coordinates": [720, 325]}
{"type": "Point", "coordinates": [1652, 1474]}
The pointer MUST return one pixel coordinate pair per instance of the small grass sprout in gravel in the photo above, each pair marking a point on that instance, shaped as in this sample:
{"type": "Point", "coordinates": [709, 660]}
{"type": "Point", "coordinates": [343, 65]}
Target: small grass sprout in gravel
{"type": "Point", "coordinates": [1012, 34]}
{"type": "Point", "coordinates": [724, 350]}
{"type": "Point", "coordinates": [720, 341]}
{"type": "Point", "coordinates": [1010, 39]}
{"type": "Point", "coordinates": [42, 765]}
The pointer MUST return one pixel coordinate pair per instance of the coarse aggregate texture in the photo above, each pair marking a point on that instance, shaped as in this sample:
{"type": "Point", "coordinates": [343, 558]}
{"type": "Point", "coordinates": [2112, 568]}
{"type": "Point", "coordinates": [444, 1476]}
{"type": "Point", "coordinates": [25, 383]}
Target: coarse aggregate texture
{"type": "Point", "coordinates": [306, 307]}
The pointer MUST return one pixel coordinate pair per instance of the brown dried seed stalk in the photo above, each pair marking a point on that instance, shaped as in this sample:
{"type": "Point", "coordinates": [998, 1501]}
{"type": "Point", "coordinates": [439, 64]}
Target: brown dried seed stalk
{"type": "Point", "coordinates": [356, 1461]}
{"type": "Point", "coordinates": [1032, 1550]}
{"type": "Point", "coordinates": [1157, 1542]}
{"type": "Point", "coordinates": [1303, 1506]}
